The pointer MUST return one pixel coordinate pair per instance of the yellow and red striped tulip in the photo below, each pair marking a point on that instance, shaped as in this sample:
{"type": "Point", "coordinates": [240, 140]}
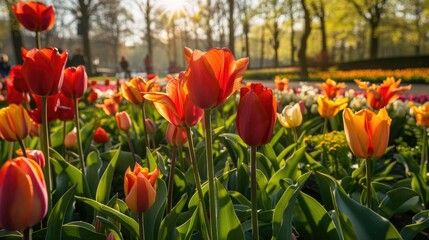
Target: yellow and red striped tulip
{"type": "Point", "coordinates": [15, 123]}
{"type": "Point", "coordinates": [422, 113]}
{"type": "Point", "coordinates": [329, 108]}
{"type": "Point", "coordinates": [35, 155]}
{"type": "Point", "coordinates": [367, 133]}
{"type": "Point", "coordinates": [134, 90]}
{"type": "Point", "coordinates": [23, 195]}
{"type": "Point", "coordinates": [213, 76]}
{"type": "Point", "coordinates": [139, 188]}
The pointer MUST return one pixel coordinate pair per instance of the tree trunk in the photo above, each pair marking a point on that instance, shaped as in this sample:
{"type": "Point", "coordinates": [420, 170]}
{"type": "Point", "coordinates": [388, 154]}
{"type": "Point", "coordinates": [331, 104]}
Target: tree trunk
{"type": "Point", "coordinates": [246, 37]}
{"type": "Point", "coordinates": [292, 34]}
{"type": "Point", "coordinates": [148, 28]}
{"type": "Point", "coordinates": [373, 42]}
{"type": "Point", "coordinates": [231, 40]}
{"type": "Point", "coordinates": [209, 30]}
{"type": "Point", "coordinates": [276, 44]}
{"type": "Point", "coordinates": [303, 48]}
{"type": "Point", "coordinates": [85, 36]}
{"type": "Point", "coordinates": [261, 59]}
{"type": "Point", "coordinates": [324, 52]}
{"type": "Point", "coordinates": [16, 35]}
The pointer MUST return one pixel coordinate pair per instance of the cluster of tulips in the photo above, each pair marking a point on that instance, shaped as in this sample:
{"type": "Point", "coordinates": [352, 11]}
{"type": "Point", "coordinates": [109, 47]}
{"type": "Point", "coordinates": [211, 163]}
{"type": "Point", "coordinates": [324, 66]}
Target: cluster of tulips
{"type": "Point", "coordinates": [211, 78]}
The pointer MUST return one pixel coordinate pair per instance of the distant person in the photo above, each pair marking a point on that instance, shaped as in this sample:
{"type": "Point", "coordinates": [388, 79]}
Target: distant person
{"type": "Point", "coordinates": [124, 66]}
{"type": "Point", "coordinates": [148, 64]}
{"type": "Point", "coordinates": [4, 66]}
{"type": "Point", "coordinates": [77, 58]}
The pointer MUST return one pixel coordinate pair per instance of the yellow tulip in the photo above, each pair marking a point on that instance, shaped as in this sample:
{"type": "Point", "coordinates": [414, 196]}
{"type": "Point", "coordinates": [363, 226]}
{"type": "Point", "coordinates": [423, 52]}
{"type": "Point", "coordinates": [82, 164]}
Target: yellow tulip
{"type": "Point", "coordinates": [15, 123]}
{"type": "Point", "coordinates": [328, 108]}
{"type": "Point", "coordinates": [422, 114]}
{"type": "Point", "coordinates": [367, 133]}
{"type": "Point", "coordinates": [291, 116]}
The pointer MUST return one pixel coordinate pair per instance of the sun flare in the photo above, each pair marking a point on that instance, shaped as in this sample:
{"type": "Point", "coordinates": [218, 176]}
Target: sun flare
{"type": "Point", "coordinates": [173, 6]}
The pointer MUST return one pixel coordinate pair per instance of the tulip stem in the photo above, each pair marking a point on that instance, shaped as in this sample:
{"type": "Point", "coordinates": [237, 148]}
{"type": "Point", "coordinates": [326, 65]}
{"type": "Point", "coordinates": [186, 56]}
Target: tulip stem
{"type": "Point", "coordinates": [211, 177]}
{"type": "Point", "coordinates": [64, 137]}
{"type": "Point", "coordinates": [255, 229]}
{"type": "Point", "coordinates": [44, 143]}
{"type": "Point", "coordinates": [80, 149]}
{"type": "Point", "coordinates": [144, 127]}
{"type": "Point", "coordinates": [325, 126]}
{"type": "Point", "coordinates": [424, 156]}
{"type": "Point", "coordinates": [21, 144]}
{"type": "Point", "coordinates": [28, 233]}
{"type": "Point", "coordinates": [295, 134]}
{"type": "Point", "coordinates": [130, 144]}
{"type": "Point", "coordinates": [203, 209]}
{"type": "Point", "coordinates": [171, 179]}
{"type": "Point", "coordinates": [368, 182]}
{"type": "Point", "coordinates": [141, 226]}
{"type": "Point", "coordinates": [38, 40]}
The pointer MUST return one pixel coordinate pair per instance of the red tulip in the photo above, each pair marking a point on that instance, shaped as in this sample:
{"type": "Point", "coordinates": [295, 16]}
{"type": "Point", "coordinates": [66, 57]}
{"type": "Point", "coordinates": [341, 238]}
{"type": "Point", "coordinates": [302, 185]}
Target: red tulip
{"type": "Point", "coordinates": [213, 76]}
{"type": "Point", "coordinates": [52, 105]}
{"type": "Point", "coordinates": [23, 195]}
{"type": "Point", "coordinates": [175, 105]}
{"type": "Point", "coordinates": [43, 70]}
{"type": "Point", "coordinates": [14, 96]}
{"type": "Point", "coordinates": [123, 121]}
{"type": "Point", "coordinates": [139, 188]}
{"type": "Point", "coordinates": [176, 136]}
{"type": "Point", "coordinates": [17, 78]}
{"type": "Point", "coordinates": [92, 96]}
{"type": "Point", "coordinates": [101, 136]}
{"type": "Point", "coordinates": [75, 82]}
{"type": "Point", "coordinates": [65, 109]}
{"type": "Point", "coordinates": [256, 114]}
{"type": "Point", "coordinates": [34, 16]}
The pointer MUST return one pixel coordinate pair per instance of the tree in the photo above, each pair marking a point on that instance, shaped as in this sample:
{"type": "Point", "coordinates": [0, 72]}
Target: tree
{"type": "Point", "coordinates": [246, 14]}
{"type": "Point", "coordinates": [303, 48]}
{"type": "Point", "coordinates": [371, 12]}
{"type": "Point", "coordinates": [15, 32]}
{"type": "Point", "coordinates": [292, 31]}
{"type": "Point", "coordinates": [231, 26]}
{"type": "Point", "coordinates": [319, 10]}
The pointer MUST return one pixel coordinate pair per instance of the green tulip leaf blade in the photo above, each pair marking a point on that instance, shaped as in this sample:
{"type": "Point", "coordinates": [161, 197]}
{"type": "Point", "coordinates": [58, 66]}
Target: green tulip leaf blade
{"type": "Point", "coordinates": [154, 215]}
{"type": "Point", "coordinates": [420, 222]}
{"type": "Point", "coordinates": [169, 222]}
{"type": "Point", "coordinates": [103, 189]}
{"type": "Point", "coordinates": [74, 174]}
{"type": "Point", "coordinates": [55, 220]}
{"type": "Point", "coordinates": [398, 200]}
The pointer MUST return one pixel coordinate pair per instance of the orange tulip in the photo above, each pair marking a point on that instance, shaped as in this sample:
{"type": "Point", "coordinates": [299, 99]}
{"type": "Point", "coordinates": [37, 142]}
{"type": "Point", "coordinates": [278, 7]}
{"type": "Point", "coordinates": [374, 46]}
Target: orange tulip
{"type": "Point", "coordinates": [256, 114]}
{"type": "Point", "coordinates": [379, 96]}
{"type": "Point", "coordinates": [110, 107]}
{"type": "Point", "coordinates": [123, 121]}
{"type": "Point", "coordinates": [367, 133]}
{"type": "Point", "coordinates": [328, 108]}
{"type": "Point", "coordinates": [70, 140]}
{"type": "Point", "coordinates": [213, 76]}
{"type": "Point", "coordinates": [331, 89]}
{"type": "Point", "coordinates": [175, 105]}
{"type": "Point", "coordinates": [422, 114]}
{"type": "Point", "coordinates": [43, 70]}
{"type": "Point", "coordinates": [281, 83]}
{"type": "Point", "coordinates": [35, 155]}
{"type": "Point", "coordinates": [134, 90]}
{"type": "Point", "coordinates": [34, 16]}
{"type": "Point", "coordinates": [75, 82]}
{"type": "Point", "coordinates": [23, 195]}
{"type": "Point", "coordinates": [139, 188]}
{"type": "Point", "coordinates": [15, 123]}
{"type": "Point", "coordinates": [176, 136]}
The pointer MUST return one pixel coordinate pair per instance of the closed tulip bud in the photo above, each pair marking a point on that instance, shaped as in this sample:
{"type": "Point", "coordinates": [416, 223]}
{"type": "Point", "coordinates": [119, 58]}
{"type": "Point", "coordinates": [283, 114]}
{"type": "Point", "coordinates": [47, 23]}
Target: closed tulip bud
{"type": "Point", "coordinates": [367, 133]}
{"type": "Point", "coordinates": [139, 188]}
{"type": "Point", "coordinates": [421, 113]}
{"type": "Point", "coordinates": [70, 140]}
{"type": "Point", "coordinates": [92, 96]}
{"type": "Point", "coordinates": [328, 108]}
{"type": "Point", "coordinates": [123, 121]}
{"type": "Point", "coordinates": [150, 126]}
{"type": "Point", "coordinates": [281, 83]}
{"type": "Point", "coordinates": [43, 70]}
{"type": "Point", "coordinates": [23, 195]}
{"type": "Point", "coordinates": [75, 82]}
{"type": "Point", "coordinates": [14, 96]}
{"type": "Point", "coordinates": [256, 115]}
{"type": "Point", "coordinates": [17, 78]}
{"type": "Point", "coordinates": [35, 155]}
{"type": "Point", "coordinates": [15, 123]}
{"type": "Point", "coordinates": [34, 16]}
{"type": "Point", "coordinates": [65, 110]}
{"type": "Point", "coordinates": [176, 136]}
{"type": "Point", "coordinates": [213, 76]}
{"type": "Point", "coordinates": [291, 116]}
{"type": "Point", "coordinates": [101, 136]}
{"type": "Point", "coordinates": [111, 236]}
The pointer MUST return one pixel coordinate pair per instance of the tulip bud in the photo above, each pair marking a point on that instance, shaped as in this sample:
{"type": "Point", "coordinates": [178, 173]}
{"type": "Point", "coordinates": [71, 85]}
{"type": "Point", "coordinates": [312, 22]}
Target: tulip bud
{"type": "Point", "coordinates": [15, 123]}
{"type": "Point", "coordinates": [23, 195]}
{"type": "Point", "coordinates": [35, 155]}
{"type": "Point", "coordinates": [75, 82]}
{"type": "Point", "coordinates": [34, 16]}
{"type": "Point", "coordinates": [101, 136]}
{"type": "Point", "coordinates": [70, 140]}
{"type": "Point", "coordinates": [291, 116]}
{"type": "Point", "coordinates": [176, 136]}
{"type": "Point", "coordinates": [111, 236]}
{"type": "Point", "coordinates": [123, 121]}
{"type": "Point", "coordinates": [92, 96]}
{"type": "Point", "coordinates": [150, 126]}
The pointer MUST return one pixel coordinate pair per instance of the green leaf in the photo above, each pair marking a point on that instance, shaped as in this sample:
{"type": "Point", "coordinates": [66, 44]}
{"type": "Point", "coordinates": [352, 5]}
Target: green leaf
{"type": "Point", "coordinates": [368, 225]}
{"type": "Point", "coordinates": [229, 225]}
{"type": "Point", "coordinates": [420, 223]}
{"type": "Point", "coordinates": [81, 230]}
{"type": "Point", "coordinates": [153, 216]}
{"type": "Point", "coordinates": [110, 227]}
{"type": "Point", "coordinates": [282, 216]}
{"type": "Point", "coordinates": [93, 167]}
{"type": "Point", "coordinates": [186, 229]}
{"type": "Point", "coordinates": [398, 200]}
{"type": "Point", "coordinates": [103, 189]}
{"type": "Point", "coordinates": [169, 222]}
{"type": "Point", "coordinates": [74, 174]}
{"type": "Point", "coordinates": [151, 160]}
{"type": "Point", "coordinates": [55, 220]}
{"type": "Point", "coordinates": [262, 182]}
{"type": "Point", "coordinates": [9, 235]}
{"type": "Point", "coordinates": [126, 221]}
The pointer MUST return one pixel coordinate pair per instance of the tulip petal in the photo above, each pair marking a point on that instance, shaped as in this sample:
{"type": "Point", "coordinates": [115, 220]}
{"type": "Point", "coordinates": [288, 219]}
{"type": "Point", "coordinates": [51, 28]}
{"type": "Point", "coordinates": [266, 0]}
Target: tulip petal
{"type": "Point", "coordinates": [354, 124]}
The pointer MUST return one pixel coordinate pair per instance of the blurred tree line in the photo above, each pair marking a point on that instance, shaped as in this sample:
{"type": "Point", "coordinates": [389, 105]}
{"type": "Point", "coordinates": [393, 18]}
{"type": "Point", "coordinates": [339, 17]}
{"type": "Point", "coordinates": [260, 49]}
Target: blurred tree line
{"type": "Point", "coordinates": [272, 33]}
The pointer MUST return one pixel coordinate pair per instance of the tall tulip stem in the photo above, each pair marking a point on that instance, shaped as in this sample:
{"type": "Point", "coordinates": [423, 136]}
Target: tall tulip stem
{"type": "Point", "coordinates": [133, 153]}
{"type": "Point", "coordinates": [368, 182]}
{"type": "Point", "coordinates": [28, 233]}
{"type": "Point", "coordinates": [295, 134]}
{"type": "Point", "coordinates": [325, 126]}
{"type": "Point", "coordinates": [171, 179]}
{"type": "Point", "coordinates": [64, 137]}
{"type": "Point", "coordinates": [141, 226]}
{"type": "Point", "coordinates": [79, 144]}
{"type": "Point", "coordinates": [203, 209]}
{"type": "Point", "coordinates": [44, 143]}
{"type": "Point", "coordinates": [38, 40]}
{"type": "Point", "coordinates": [255, 229]}
{"type": "Point", "coordinates": [424, 156]}
{"type": "Point", "coordinates": [211, 178]}
{"type": "Point", "coordinates": [21, 144]}
{"type": "Point", "coordinates": [145, 128]}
